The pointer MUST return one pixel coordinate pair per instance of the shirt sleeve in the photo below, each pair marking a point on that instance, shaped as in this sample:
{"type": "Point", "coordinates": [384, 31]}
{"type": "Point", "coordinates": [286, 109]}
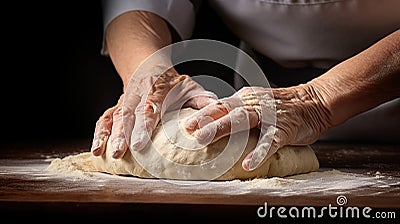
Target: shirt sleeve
{"type": "Point", "coordinates": [180, 14]}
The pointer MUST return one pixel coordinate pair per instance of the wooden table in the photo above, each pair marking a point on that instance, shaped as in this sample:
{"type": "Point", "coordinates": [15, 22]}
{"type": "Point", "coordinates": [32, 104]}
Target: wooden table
{"type": "Point", "coordinates": [28, 190]}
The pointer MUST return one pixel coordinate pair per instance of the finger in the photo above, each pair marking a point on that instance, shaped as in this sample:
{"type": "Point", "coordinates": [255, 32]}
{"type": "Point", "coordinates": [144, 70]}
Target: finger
{"type": "Point", "coordinates": [117, 138]}
{"type": "Point", "coordinates": [147, 116]}
{"type": "Point", "coordinates": [199, 102]}
{"type": "Point", "coordinates": [212, 112]}
{"type": "Point", "coordinates": [266, 147]}
{"type": "Point", "coordinates": [239, 119]}
{"type": "Point", "coordinates": [148, 111]}
{"type": "Point", "coordinates": [129, 105]}
{"type": "Point", "coordinates": [188, 93]}
{"type": "Point", "coordinates": [102, 132]}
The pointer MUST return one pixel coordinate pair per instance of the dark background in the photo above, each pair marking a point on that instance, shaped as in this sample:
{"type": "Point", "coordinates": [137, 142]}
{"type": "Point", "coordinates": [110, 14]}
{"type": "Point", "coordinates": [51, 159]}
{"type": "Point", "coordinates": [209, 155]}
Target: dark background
{"type": "Point", "coordinates": [55, 82]}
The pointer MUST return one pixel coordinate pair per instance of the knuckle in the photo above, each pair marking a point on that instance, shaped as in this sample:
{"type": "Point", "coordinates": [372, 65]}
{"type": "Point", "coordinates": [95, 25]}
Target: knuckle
{"type": "Point", "coordinates": [102, 134]}
{"type": "Point", "coordinates": [107, 114]}
{"type": "Point", "coordinates": [102, 121]}
{"type": "Point", "coordinates": [140, 108]}
{"type": "Point", "coordinates": [127, 110]}
{"type": "Point", "coordinates": [117, 112]}
{"type": "Point", "coordinates": [223, 105]}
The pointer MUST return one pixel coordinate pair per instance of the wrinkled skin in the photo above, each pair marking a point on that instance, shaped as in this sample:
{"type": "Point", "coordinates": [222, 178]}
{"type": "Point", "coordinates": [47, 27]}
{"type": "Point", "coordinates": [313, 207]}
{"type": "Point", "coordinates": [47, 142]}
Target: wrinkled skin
{"type": "Point", "coordinates": [294, 116]}
{"type": "Point", "coordinates": [305, 112]}
{"type": "Point", "coordinates": [138, 110]}
{"type": "Point", "coordinates": [286, 116]}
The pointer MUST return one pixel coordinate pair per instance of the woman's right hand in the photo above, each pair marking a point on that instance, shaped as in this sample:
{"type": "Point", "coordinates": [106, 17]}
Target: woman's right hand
{"type": "Point", "coordinates": [133, 119]}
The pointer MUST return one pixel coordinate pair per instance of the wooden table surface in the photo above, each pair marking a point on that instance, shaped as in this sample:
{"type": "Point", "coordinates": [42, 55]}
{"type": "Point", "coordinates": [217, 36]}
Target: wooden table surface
{"type": "Point", "coordinates": [372, 170]}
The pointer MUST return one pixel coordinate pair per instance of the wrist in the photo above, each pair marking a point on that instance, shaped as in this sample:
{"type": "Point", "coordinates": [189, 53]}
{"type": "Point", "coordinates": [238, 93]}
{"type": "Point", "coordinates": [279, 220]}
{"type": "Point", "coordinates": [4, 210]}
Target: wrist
{"type": "Point", "coordinates": [132, 37]}
{"type": "Point", "coordinates": [341, 94]}
{"type": "Point", "coordinates": [161, 72]}
{"type": "Point", "coordinates": [362, 81]}
{"type": "Point", "coordinates": [320, 100]}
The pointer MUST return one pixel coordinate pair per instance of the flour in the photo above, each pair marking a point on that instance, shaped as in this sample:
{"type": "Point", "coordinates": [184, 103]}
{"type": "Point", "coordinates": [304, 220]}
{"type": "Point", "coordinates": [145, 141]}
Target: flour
{"type": "Point", "coordinates": [172, 155]}
{"type": "Point", "coordinates": [71, 165]}
{"type": "Point", "coordinates": [314, 182]}
{"type": "Point", "coordinates": [333, 180]}
{"type": "Point", "coordinates": [274, 182]}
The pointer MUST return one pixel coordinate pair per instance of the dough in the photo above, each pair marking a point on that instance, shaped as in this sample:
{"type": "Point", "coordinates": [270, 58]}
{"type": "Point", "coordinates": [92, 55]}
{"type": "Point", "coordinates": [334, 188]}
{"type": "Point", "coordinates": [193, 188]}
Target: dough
{"type": "Point", "coordinates": [177, 156]}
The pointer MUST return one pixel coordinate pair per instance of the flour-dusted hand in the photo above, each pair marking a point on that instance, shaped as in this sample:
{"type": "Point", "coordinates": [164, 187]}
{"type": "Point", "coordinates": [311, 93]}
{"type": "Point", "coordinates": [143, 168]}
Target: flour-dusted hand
{"type": "Point", "coordinates": [292, 116]}
{"type": "Point", "coordinates": [137, 113]}
{"type": "Point", "coordinates": [135, 41]}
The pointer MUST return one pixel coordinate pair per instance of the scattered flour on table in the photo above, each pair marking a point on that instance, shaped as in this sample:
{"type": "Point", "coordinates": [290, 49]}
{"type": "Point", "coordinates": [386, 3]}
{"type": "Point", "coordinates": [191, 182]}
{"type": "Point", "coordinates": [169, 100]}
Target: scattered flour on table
{"type": "Point", "coordinates": [327, 179]}
{"type": "Point", "coordinates": [317, 181]}
{"type": "Point", "coordinates": [323, 180]}
{"type": "Point", "coordinates": [274, 182]}
{"type": "Point", "coordinates": [76, 166]}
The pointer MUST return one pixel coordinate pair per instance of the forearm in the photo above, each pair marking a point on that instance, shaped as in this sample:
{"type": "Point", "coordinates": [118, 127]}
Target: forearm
{"type": "Point", "coordinates": [361, 82]}
{"type": "Point", "coordinates": [132, 37]}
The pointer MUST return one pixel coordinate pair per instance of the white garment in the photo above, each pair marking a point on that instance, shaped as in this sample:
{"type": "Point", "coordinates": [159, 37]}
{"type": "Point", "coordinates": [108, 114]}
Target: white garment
{"type": "Point", "coordinates": [180, 14]}
{"type": "Point", "coordinates": [304, 33]}
{"type": "Point", "coordinates": [296, 33]}
{"type": "Point", "coordinates": [380, 124]}
{"type": "Point", "coordinates": [293, 33]}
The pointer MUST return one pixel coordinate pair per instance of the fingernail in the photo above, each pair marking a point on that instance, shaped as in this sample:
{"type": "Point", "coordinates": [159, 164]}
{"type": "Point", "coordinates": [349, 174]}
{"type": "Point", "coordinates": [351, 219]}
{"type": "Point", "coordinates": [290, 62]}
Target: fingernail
{"type": "Point", "coordinates": [116, 154]}
{"type": "Point", "coordinates": [96, 145]}
{"type": "Point", "coordinates": [252, 165]}
{"type": "Point", "coordinates": [99, 141]}
{"type": "Point", "coordinates": [96, 151]}
{"type": "Point", "coordinates": [118, 146]}
{"type": "Point", "coordinates": [245, 164]}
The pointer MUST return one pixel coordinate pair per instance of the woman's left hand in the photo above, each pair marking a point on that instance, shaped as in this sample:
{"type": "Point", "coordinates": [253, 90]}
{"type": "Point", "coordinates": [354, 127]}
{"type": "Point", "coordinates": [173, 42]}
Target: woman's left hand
{"type": "Point", "coordinates": [292, 116]}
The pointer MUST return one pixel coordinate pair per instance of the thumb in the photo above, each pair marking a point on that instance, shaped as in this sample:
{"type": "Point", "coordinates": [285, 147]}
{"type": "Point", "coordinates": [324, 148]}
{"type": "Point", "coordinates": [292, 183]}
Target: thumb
{"type": "Point", "coordinates": [265, 148]}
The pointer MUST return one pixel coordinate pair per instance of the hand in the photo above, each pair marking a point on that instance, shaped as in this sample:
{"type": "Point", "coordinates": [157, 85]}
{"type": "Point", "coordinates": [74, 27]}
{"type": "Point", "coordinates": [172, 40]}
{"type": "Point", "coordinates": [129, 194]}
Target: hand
{"type": "Point", "coordinates": [137, 113]}
{"type": "Point", "coordinates": [293, 116]}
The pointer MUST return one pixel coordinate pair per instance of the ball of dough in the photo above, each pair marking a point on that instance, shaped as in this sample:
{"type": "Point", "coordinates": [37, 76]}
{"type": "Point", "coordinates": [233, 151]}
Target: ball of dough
{"type": "Point", "coordinates": [172, 154]}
